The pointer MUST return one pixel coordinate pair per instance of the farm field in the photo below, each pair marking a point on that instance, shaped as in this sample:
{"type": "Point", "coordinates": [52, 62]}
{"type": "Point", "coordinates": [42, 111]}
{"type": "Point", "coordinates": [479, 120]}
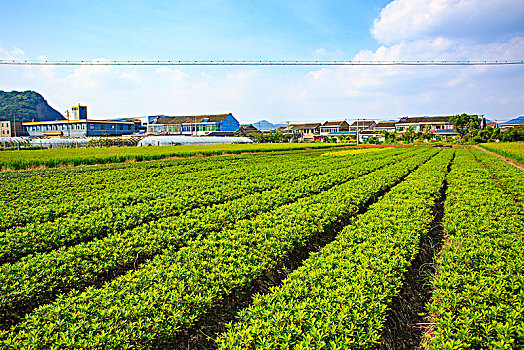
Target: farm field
{"type": "Point", "coordinates": [52, 158]}
{"type": "Point", "coordinates": [511, 150]}
{"type": "Point", "coordinates": [297, 248]}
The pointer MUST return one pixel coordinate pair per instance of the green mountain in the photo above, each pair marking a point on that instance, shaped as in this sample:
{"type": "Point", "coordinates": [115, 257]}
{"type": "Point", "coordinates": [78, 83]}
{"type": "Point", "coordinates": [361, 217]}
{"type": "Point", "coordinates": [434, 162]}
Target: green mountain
{"type": "Point", "coordinates": [26, 106]}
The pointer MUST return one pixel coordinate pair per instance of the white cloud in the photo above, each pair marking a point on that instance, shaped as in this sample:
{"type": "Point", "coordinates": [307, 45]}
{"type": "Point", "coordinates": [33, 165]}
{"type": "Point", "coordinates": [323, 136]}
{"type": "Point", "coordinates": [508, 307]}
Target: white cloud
{"type": "Point", "coordinates": [403, 20]}
{"type": "Point", "coordinates": [174, 75]}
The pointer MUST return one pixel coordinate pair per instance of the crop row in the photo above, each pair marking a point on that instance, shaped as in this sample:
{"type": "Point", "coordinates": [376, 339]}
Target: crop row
{"type": "Point", "coordinates": [511, 150]}
{"type": "Point", "coordinates": [21, 286]}
{"type": "Point", "coordinates": [81, 265]}
{"type": "Point", "coordinates": [147, 306]}
{"type": "Point", "coordinates": [510, 177]}
{"type": "Point", "coordinates": [339, 297]}
{"type": "Point", "coordinates": [39, 237]}
{"type": "Point", "coordinates": [78, 197]}
{"type": "Point", "coordinates": [478, 300]}
{"type": "Point", "coordinates": [129, 172]}
{"type": "Point", "coordinates": [49, 197]}
{"type": "Point", "coordinates": [51, 158]}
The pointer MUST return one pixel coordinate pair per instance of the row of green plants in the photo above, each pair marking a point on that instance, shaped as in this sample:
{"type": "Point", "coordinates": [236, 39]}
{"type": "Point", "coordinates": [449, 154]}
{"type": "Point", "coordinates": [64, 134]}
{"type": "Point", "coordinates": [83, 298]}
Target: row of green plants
{"type": "Point", "coordinates": [83, 264]}
{"type": "Point", "coordinates": [47, 198]}
{"type": "Point", "coordinates": [510, 177]}
{"type": "Point", "coordinates": [146, 307]}
{"type": "Point", "coordinates": [203, 190]}
{"type": "Point", "coordinates": [85, 179]}
{"type": "Point", "coordinates": [339, 297]}
{"type": "Point", "coordinates": [510, 150]}
{"type": "Point", "coordinates": [113, 142]}
{"type": "Point", "coordinates": [478, 299]}
{"type": "Point", "coordinates": [50, 158]}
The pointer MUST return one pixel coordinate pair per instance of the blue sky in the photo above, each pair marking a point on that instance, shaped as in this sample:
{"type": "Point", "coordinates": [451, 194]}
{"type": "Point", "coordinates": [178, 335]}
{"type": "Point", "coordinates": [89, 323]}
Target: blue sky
{"type": "Point", "coordinates": [328, 30]}
{"type": "Point", "coordinates": [186, 29]}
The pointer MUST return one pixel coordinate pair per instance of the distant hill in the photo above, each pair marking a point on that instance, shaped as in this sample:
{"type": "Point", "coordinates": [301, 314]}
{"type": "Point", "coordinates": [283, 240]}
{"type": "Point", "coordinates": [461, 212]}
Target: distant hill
{"type": "Point", "coordinates": [518, 120]}
{"type": "Point", "coordinates": [265, 125]}
{"type": "Point", "coordinates": [26, 106]}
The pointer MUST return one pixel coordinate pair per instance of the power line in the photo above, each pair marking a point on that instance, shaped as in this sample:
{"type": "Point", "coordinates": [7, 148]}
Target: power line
{"type": "Point", "coordinates": [16, 62]}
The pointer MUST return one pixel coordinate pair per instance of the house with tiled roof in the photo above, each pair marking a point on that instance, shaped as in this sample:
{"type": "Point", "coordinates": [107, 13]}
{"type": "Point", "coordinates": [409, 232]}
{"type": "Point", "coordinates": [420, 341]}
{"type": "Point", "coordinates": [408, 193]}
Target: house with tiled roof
{"type": "Point", "coordinates": [247, 129]}
{"type": "Point", "coordinates": [193, 125]}
{"type": "Point", "coordinates": [385, 126]}
{"type": "Point", "coordinates": [305, 131]}
{"type": "Point", "coordinates": [362, 125]}
{"type": "Point", "coordinates": [334, 128]}
{"type": "Point", "coordinates": [435, 125]}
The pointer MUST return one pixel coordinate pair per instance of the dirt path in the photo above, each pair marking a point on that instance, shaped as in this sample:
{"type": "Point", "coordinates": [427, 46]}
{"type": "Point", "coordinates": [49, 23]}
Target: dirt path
{"type": "Point", "coordinates": [506, 160]}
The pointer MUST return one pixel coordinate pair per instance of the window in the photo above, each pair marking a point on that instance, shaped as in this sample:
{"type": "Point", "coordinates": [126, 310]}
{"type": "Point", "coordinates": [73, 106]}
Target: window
{"type": "Point", "coordinates": [121, 127]}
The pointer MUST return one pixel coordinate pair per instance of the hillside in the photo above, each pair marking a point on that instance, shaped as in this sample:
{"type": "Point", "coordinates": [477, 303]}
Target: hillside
{"type": "Point", "coordinates": [265, 125]}
{"type": "Point", "coordinates": [26, 106]}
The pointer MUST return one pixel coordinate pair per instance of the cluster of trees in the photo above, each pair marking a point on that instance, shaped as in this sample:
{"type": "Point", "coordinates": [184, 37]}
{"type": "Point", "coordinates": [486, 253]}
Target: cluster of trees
{"type": "Point", "coordinates": [274, 137]}
{"type": "Point", "coordinates": [468, 127]}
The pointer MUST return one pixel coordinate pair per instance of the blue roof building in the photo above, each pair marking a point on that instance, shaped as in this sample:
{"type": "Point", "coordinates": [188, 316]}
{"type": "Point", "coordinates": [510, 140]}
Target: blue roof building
{"type": "Point", "coordinates": [199, 125]}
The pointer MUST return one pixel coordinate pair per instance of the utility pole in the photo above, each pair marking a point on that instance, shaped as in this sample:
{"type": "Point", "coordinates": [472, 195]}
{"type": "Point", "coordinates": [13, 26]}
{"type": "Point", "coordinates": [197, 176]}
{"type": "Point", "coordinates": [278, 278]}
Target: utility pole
{"type": "Point", "coordinates": [68, 132]}
{"type": "Point", "coordinates": [14, 124]}
{"type": "Point", "coordinates": [357, 131]}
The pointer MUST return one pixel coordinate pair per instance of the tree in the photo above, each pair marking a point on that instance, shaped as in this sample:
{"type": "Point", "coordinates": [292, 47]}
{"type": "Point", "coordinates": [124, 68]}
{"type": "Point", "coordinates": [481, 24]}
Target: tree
{"type": "Point", "coordinates": [465, 123]}
{"type": "Point", "coordinates": [389, 137]}
{"type": "Point", "coordinates": [409, 135]}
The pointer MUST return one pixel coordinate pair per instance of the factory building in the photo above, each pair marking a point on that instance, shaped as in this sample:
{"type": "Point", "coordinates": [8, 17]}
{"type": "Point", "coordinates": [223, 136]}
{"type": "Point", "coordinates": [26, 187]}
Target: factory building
{"type": "Point", "coordinates": [77, 125]}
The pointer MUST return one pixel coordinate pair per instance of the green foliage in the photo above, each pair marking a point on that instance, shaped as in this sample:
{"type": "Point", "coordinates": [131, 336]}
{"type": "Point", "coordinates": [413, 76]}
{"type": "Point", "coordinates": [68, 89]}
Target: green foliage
{"type": "Point", "coordinates": [290, 179]}
{"type": "Point", "coordinates": [510, 177]}
{"type": "Point", "coordinates": [478, 300]}
{"type": "Point", "coordinates": [274, 137]}
{"type": "Point", "coordinates": [112, 142]}
{"type": "Point", "coordinates": [51, 158]}
{"type": "Point", "coordinates": [174, 289]}
{"type": "Point", "coordinates": [26, 106]}
{"type": "Point", "coordinates": [513, 151]}
{"type": "Point", "coordinates": [465, 123]}
{"type": "Point", "coordinates": [339, 297]}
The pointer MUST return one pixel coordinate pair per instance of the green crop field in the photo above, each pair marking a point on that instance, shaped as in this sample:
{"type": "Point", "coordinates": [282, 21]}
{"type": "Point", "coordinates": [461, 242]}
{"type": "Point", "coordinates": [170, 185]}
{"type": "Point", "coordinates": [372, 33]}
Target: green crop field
{"type": "Point", "coordinates": [415, 247]}
{"type": "Point", "coordinates": [51, 158]}
{"type": "Point", "coordinates": [511, 150]}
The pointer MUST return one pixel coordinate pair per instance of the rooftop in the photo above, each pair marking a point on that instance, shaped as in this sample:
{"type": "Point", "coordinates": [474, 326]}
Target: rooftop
{"type": "Point", "coordinates": [416, 120]}
{"type": "Point", "coordinates": [363, 123]}
{"type": "Point", "coordinates": [304, 126]}
{"type": "Point", "coordinates": [212, 118]}
{"type": "Point", "coordinates": [386, 125]}
{"type": "Point", "coordinates": [337, 123]}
